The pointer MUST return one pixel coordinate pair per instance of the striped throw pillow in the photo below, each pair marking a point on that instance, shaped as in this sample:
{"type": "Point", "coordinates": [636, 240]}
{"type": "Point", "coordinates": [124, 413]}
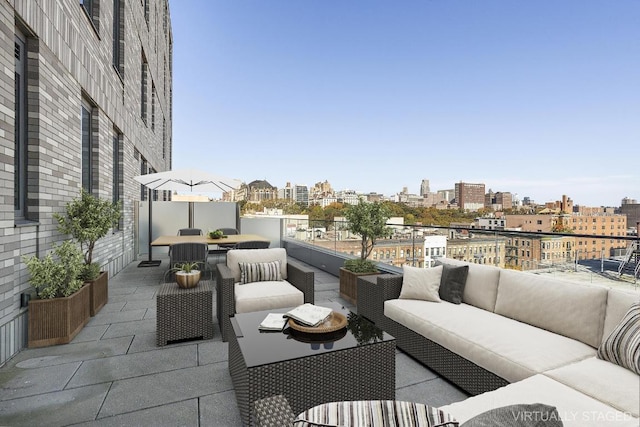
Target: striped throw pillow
{"type": "Point", "coordinates": [622, 346]}
{"type": "Point", "coordinates": [259, 272]}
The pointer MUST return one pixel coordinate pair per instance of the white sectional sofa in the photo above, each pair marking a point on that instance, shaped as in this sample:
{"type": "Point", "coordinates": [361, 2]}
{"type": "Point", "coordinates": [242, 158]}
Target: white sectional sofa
{"type": "Point", "coordinates": [516, 338]}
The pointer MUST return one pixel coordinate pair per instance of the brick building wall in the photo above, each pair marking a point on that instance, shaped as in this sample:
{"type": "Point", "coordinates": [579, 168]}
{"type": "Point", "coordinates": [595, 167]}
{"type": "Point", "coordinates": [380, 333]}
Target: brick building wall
{"type": "Point", "coordinates": [69, 62]}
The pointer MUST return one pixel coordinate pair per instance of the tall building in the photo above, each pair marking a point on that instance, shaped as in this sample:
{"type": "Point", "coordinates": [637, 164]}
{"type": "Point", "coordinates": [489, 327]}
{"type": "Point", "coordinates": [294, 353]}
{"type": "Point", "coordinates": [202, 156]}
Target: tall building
{"type": "Point", "coordinates": [86, 102]}
{"type": "Point", "coordinates": [469, 197]}
{"type": "Point", "coordinates": [301, 194]}
{"type": "Point", "coordinates": [424, 188]}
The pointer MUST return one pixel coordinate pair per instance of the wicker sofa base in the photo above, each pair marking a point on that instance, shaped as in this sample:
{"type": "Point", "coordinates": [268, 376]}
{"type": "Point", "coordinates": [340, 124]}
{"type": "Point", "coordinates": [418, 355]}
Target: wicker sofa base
{"type": "Point", "coordinates": [465, 374]}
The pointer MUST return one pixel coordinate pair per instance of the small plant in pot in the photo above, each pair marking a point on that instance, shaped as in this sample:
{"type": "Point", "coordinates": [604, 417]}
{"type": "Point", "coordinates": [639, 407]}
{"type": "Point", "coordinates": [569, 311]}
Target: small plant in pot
{"type": "Point", "coordinates": [88, 219]}
{"type": "Point", "coordinates": [216, 234]}
{"type": "Point", "coordinates": [187, 274]}
{"type": "Point", "coordinates": [369, 221]}
{"type": "Point", "coordinates": [62, 307]}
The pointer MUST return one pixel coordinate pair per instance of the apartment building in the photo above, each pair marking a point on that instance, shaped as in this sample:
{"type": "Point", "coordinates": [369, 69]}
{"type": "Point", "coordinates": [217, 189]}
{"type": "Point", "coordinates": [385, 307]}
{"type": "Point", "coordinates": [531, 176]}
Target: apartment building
{"type": "Point", "coordinates": [86, 104]}
{"type": "Point", "coordinates": [469, 197]}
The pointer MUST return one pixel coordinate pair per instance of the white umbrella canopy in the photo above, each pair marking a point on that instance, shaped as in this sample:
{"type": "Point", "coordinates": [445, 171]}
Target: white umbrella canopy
{"type": "Point", "coordinates": [188, 179]}
{"type": "Point", "coordinates": [181, 180]}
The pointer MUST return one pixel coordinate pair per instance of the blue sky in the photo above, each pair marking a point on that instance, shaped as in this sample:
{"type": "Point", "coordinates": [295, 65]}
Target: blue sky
{"type": "Point", "coordinates": [540, 98]}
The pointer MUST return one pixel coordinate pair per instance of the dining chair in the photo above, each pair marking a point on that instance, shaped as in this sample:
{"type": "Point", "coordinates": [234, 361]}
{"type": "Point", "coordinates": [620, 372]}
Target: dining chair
{"type": "Point", "coordinates": [189, 252]}
{"type": "Point", "coordinates": [221, 249]}
{"type": "Point", "coordinates": [190, 232]}
{"type": "Point", "coordinates": [253, 244]}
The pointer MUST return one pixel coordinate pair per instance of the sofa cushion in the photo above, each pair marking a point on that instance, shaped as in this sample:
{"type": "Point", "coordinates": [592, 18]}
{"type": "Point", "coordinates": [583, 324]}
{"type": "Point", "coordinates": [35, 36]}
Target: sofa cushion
{"type": "Point", "coordinates": [622, 346]}
{"type": "Point", "coordinates": [576, 409]}
{"type": "Point", "coordinates": [520, 415]}
{"type": "Point", "coordinates": [374, 413]}
{"type": "Point", "coordinates": [421, 283]}
{"type": "Point", "coordinates": [259, 296]}
{"type": "Point", "coordinates": [481, 287]}
{"type": "Point", "coordinates": [618, 303]}
{"type": "Point", "coordinates": [602, 380]}
{"type": "Point", "coordinates": [570, 309]}
{"type": "Point", "coordinates": [259, 271]}
{"type": "Point", "coordinates": [510, 349]}
{"type": "Point", "coordinates": [452, 283]}
{"type": "Point", "coordinates": [236, 256]}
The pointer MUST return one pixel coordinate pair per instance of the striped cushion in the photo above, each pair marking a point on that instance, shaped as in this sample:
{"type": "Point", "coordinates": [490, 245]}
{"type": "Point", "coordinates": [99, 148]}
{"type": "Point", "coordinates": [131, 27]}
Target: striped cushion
{"type": "Point", "coordinates": [259, 272]}
{"type": "Point", "coordinates": [622, 346]}
{"type": "Point", "coordinates": [374, 413]}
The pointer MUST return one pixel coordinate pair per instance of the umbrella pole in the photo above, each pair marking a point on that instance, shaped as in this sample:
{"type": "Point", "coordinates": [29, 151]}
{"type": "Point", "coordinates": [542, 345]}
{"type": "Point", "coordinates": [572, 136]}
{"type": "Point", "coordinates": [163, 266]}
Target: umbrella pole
{"type": "Point", "coordinates": [150, 262]}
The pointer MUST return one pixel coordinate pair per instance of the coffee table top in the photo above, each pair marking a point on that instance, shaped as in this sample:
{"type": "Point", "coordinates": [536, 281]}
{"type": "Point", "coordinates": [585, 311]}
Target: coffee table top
{"type": "Point", "coordinates": [266, 347]}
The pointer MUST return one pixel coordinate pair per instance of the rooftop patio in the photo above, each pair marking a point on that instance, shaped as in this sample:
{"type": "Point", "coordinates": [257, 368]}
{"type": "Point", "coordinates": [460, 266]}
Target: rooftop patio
{"type": "Point", "coordinates": [114, 374]}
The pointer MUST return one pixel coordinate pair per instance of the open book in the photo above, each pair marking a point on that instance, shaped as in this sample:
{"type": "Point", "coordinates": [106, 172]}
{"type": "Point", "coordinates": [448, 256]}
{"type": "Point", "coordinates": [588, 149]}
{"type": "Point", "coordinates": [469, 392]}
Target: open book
{"type": "Point", "coordinates": [309, 314]}
{"type": "Point", "coordinates": [273, 322]}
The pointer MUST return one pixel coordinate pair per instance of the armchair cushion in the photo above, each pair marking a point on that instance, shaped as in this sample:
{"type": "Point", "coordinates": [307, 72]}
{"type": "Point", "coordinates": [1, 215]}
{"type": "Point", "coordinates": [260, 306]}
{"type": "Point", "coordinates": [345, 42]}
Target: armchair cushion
{"type": "Point", "coordinates": [260, 272]}
{"type": "Point", "coordinates": [259, 296]}
{"type": "Point", "coordinates": [236, 256]}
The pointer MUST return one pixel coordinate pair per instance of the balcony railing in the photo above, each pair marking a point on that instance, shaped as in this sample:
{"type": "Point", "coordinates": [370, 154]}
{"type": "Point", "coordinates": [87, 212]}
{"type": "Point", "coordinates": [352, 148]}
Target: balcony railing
{"type": "Point", "coordinates": [604, 257]}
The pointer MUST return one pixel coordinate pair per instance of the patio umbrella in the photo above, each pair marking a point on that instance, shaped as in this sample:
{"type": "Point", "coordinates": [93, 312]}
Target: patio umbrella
{"type": "Point", "coordinates": [182, 180]}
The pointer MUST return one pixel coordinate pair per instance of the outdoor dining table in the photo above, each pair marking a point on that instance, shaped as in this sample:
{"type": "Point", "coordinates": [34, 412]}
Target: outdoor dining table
{"type": "Point", "coordinates": [227, 240]}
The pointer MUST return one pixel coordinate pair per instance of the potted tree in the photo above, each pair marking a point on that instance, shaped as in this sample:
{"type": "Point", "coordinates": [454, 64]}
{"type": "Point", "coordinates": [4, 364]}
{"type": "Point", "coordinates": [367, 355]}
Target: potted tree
{"type": "Point", "coordinates": [88, 219]}
{"type": "Point", "coordinates": [61, 308]}
{"type": "Point", "coordinates": [368, 220]}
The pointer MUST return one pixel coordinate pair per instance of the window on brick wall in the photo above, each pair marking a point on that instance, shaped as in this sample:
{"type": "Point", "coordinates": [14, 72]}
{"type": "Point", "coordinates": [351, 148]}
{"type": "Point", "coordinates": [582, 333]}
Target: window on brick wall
{"type": "Point", "coordinates": [144, 169]}
{"type": "Point", "coordinates": [144, 71]}
{"type": "Point", "coordinates": [153, 107]}
{"type": "Point", "coordinates": [88, 132]}
{"type": "Point", "coordinates": [20, 135]}
{"type": "Point", "coordinates": [118, 175]}
{"type": "Point", "coordinates": [118, 36]}
{"type": "Point", "coordinates": [92, 10]}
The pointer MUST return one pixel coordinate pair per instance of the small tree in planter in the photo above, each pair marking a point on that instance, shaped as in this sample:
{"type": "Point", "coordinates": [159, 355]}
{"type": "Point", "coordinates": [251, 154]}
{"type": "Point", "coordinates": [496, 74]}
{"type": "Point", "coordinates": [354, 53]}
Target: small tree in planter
{"type": "Point", "coordinates": [368, 220]}
{"type": "Point", "coordinates": [63, 305]}
{"type": "Point", "coordinates": [87, 220]}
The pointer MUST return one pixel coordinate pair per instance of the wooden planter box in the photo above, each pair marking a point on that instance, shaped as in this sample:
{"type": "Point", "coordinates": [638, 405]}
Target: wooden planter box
{"type": "Point", "coordinates": [99, 290]}
{"type": "Point", "coordinates": [58, 320]}
{"type": "Point", "coordinates": [349, 284]}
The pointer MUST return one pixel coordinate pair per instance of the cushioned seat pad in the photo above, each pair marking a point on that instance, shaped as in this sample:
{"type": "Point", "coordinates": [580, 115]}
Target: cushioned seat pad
{"type": "Point", "coordinates": [510, 349]}
{"type": "Point", "coordinates": [605, 381]}
{"type": "Point", "coordinates": [576, 409]}
{"type": "Point", "coordinates": [258, 296]}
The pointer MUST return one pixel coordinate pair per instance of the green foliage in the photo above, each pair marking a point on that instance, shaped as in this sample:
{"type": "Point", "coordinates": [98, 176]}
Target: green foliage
{"type": "Point", "coordinates": [368, 220]}
{"type": "Point", "coordinates": [215, 234]}
{"type": "Point", "coordinates": [187, 267]}
{"type": "Point", "coordinates": [87, 220]}
{"type": "Point", "coordinates": [89, 272]}
{"type": "Point", "coordinates": [55, 277]}
{"type": "Point", "coordinates": [359, 265]}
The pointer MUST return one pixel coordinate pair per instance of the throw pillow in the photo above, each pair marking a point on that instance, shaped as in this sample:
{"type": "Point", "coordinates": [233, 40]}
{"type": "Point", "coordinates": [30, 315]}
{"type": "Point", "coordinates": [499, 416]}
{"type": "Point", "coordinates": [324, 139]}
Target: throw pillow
{"type": "Point", "coordinates": [421, 283]}
{"type": "Point", "coordinates": [520, 415]}
{"type": "Point", "coordinates": [454, 278]}
{"type": "Point", "coordinates": [259, 272]}
{"type": "Point", "coordinates": [622, 346]}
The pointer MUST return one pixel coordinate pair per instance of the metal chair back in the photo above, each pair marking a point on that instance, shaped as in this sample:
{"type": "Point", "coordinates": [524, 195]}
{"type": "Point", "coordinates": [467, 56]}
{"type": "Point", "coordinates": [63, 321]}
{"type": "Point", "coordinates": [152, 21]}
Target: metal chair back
{"type": "Point", "coordinates": [253, 244]}
{"type": "Point", "coordinates": [189, 252]}
{"type": "Point", "coordinates": [190, 232]}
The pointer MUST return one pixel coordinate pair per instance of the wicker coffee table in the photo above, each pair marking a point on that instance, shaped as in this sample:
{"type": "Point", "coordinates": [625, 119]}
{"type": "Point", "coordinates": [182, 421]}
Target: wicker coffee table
{"type": "Point", "coordinates": [184, 313]}
{"type": "Point", "coordinates": [309, 370]}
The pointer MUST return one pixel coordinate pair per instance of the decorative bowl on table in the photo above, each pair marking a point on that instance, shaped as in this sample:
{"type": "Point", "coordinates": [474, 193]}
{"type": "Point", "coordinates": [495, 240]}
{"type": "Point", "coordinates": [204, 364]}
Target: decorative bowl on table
{"type": "Point", "coordinates": [216, 234]}
{"type": "Point", "coordinates": [334, 322]}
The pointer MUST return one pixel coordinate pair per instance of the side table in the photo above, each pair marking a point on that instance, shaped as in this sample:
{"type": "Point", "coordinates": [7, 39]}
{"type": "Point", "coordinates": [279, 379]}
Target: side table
{"type": "Point", "coordinates": [184, 313]}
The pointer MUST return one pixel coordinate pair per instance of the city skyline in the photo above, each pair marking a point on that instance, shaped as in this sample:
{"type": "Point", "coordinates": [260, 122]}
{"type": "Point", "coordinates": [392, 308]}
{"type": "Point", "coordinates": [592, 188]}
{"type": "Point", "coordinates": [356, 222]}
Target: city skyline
{"type": "Point", "coordinates": [539, 99]}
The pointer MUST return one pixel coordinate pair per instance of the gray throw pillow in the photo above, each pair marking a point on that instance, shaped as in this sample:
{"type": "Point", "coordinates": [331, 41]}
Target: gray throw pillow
{"type": "Point", "coordinates": [521, 415]}
{"type": "Point", "coordinates": [452, 282]}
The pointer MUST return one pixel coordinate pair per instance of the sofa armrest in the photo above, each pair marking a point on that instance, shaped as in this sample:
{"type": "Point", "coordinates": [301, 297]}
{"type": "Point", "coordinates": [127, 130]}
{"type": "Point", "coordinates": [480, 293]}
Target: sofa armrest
{"type": "Point", "coordinates": [225, 298]}
{"type": "Point", "coordinates": [373, 291]}
{"type": "Point", "coordinates": [302, 278]}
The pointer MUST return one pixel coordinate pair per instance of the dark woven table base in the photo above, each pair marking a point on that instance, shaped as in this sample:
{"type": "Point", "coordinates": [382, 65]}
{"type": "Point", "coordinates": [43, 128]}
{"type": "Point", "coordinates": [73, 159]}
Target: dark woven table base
{"type": "Point", "coordinates": [184, 313]}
